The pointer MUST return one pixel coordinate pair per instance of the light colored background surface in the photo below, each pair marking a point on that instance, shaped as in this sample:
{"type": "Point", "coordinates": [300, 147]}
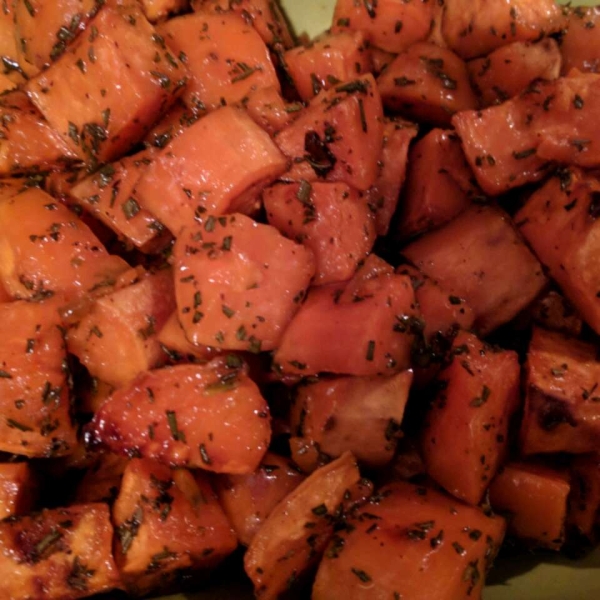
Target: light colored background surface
{"type": "Point", "coordinates": [517, 579]}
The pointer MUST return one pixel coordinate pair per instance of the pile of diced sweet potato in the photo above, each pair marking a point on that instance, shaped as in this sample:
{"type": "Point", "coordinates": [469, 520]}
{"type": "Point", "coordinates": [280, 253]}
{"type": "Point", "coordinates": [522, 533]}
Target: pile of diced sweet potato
{"type": "Point", "coordinates": [336, 301]}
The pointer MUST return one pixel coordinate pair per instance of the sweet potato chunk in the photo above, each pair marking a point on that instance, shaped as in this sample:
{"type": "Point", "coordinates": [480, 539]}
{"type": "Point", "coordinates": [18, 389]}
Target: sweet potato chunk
{"type": "Point", "coordinates": [66, 552]}
{"type": "Point", "coordinates": [225, 56]}
{"type": "Point", "coordinates": [34, 392]}
{"type": "Point", "coordinates": [108, 87]}
{"type": "Point", "coordinates": [249, 499]}
{"type": "Point", "coordinates": [465, 439]}
{"type": "Point", "coordinates": [509, 70]}
{"type": "Point", "coordinates": [439, 184]}
{"type": "Point", "coordinates": [117, 338]}
{"type": "Point", "coordinates": [553, 311]}
{"type": "Point", "coordinates": [559, 222]}
{"type": "Point", "coordinates": [476, 27]}
{"type": "Point", "coordinates": [338, 137]}
{"type": "Point", "coordinates": [480, 257]}
{"type": "Point", "coordinates": [562, 403]}
{"type": "Point", "coordinates": [331, 219]}
{"type": "Point", "coordinates": [392, 25]}
{"type": "Point", "coordinates": [580, 45]}
{"type": "Point", "coordinates": [410, 542]}
{"type": "Point", "coordinates": [207, 167]}
{"type": "Point", "coordinates": [268, 109]}
{"type": "Point", "coordinates": [357, 414]}
{"type": "Point", "coordinates": [167, 520]}
{"type": "Point", "coordinates": [173, 123]}
{"type": "Point", "coordinates": [238, 283]}
{"type": "Point", "coordinates": [157, 10]}
{"type": "Point", "coordinates": [535, 500]}
{"type": "Point", "coordinates": [174, 343]}
{"type": "Point", "coordinates": [584, 501]}
{"type": "Point", "coordinates": [15, 69]}
{"type": "Point", "coordinates": [102, 480]}
{"type": "Point", "coordinates": [17, 489]}
{"type": "Point", "coordinates": [428, 83]}
{"type": "Point", "coordinates": [212, 417]}
{"type": "Point", "coordinates": [297, 531]}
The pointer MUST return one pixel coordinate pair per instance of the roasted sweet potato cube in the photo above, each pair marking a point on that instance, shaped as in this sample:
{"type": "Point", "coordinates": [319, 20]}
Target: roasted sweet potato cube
{"type": "Point", "coordinates": [225, 56]}
{"type": "Point", "coordinates": [357, 414]}
{"type": "Point", "coordinates": [238, 283]}
{"type": "Point", "coordinates": [294, 535]}
{"type": "Point", "coordinates": [268, 109]}
{"type": "Point", "coordinates": [17, 489]}
{"type": "Point", "coordinates": [66, 552]}
{"type": "Point", "coordinates": [117, 338]}
{"type": "Point", "coordinates": [330, 59]}
{"type": "Point", "coordinates": [157, 10]}
{"type": "Point", "coordinates": [102, 480]}
{"type": "Point", "coordinates": [404, 535]}
{"type": "Point", "coordinates": [439, 184]}
{"type": "Point", "coordinates": [208, 167]}
{"type": "Point", "coordinates": [110, 85]}
{"type": "Point", "coordinates": [580, 46]}
{"type": "Point", "coordinates": [510, 69]}
{"type": "Point", "coordinates": [562, 404]}
{"type": "Point", "coordinates": [428, 83]}
{"type": "Point", "coordinates": [560, 223]}
{"type": "Point", "coordinates": [249, 499]}
{"type": "Point", "coordinates": [338, 136]}
{"type": "Point", "coordinates": [175, 344]}
{"type": "Point", "coordinates": [392, 25]}
{"type": "Point", "coordinates": [167, 520]}
{"type": "Point", "coordinates": [476, 27]}
{"type": "Point", "coordinates": [34, 392]}
{"type": "Point", "coordinates": [173, 123]}
{"type": "Point", "coordinates": [480, 257]}
{"type": "Point", "coordinates": [534, 497]}
{"type": "Point", "coordinates": [331, 219]}
{"type": "Point", "coordinates": [584, 501]}
{"type": "Point", "coordinates": [465, 439]}
{"type": "Point", "coordinates": [211, 417]}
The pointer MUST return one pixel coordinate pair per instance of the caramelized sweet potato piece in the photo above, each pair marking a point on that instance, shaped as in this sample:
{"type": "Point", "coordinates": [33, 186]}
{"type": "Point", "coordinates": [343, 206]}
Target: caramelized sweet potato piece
{"type": "Point", "coordinates": [357, 414]}
{"type": "Point", "coordinates": [562, 404]}
{"type": "Point", "coordinates": [476, 27]}
{"type": "Point", "coordinates": [428, 83]}
{"type": "Point", "coordinates": [555, 312]}
{"type": "Point", "coordinates": [167, 520]}
{"type": "Point", "coordinates": [392, 25]}
{"type": "Point", "coordinates": [207, 167]}
{"type": "Point", "coordinates": [249, 499]}
{"type": "Point", "coordinates": [465, 438]}
{"type": "Point", "coordinates": [268, 109]}
{"type": "Point", "coordinates": [34, 391]}
{"type": "Point", "coordinates": [107, 89]}
{"type": "Point", "coordinates": [225, 56]}
{"type": "Point", "coordinates": [510, 69]}
{"type": "Point", "coordinates": [116, 339]}
{"type": "Point", "coordinates": [17, 489]}
{"type": "Point", "coordinates": [439, 184]}
{"type": "Point", "coordinates": [535, 500]}
{"type": "Point", "coordinates": [173, 341]}
{"type": "Point", "coordinates": [66, 552]}
{"type": "Point", "coordinates": [211, 417]}
{"type": "Point", "coordinates": [584, 501]}
{"type": "Point", "coordinates": [238, 283]}
{"type": "Point", "coordinates": [338, 136]}
{"type": "Point", "coordinates": [331, 219]}
{"type": "Point", "coordinates": [102, 480]}
{"type": "Point", "coordinates": [410, 542]}
{"type": "Point", "coordinates": [480, 257]}
{"type": "Point", "coordinates": [580, 45]}
{"type": "Point", "coordinates": [157, 10]}
{"type": "Point", "coordinates": [286, 545]}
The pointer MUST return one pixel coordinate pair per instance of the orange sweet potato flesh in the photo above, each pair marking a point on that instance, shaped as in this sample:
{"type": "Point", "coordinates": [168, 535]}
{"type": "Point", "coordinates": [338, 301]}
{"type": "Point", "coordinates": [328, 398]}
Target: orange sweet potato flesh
{"type": "Point", "coordinates": [561, 404]}
{"type": "Point", "coordinates": [157, 10]}
{"type": "Point", "coordinates": [66, 552]}
{"type": "Point", "coordinates": [535, 500]}
{"type": "Point", "coordinates": [249, 499]}
{"type": "Point", "coordinates": [553, 311]}
{"type": "Point", "coordinates": [172, 124]}
{"type": "Point", "coordinates": [428, 83]}
{"type": "Point", "coordinates": [167, 520]}
{"type": "Point", "coordinates": [211, 417]}
{"type": "Point", "coordinates": [392, 25]}
{"type": "Point", "coordinates": [107, 89]}
{"type": "Point", "coordinates": [357, 414]}
{"type": "Point", "coordinates": [580, 46]}
{"type": "Point", "coordinates": [207, 167]}
{"type": "Point", "coordinates": [17, 489]}
{"type": "Point", "coordinates": [268, 109]}
{"type": "Point", "coordinates": [559, 222]}
{"type": "Point", "coordinates": [286, 545]}
{"type": "Point", "coordinates": [33, 388]}
{"type": "Point", "coordinates": [338, 136]}
{"type": "Point", "coordinates": [51, 251]}
{"type": "Point", "coordinates": [474, 28]}
{"type": "Point", "coordinates": [225, 56]}
{"type": "Point", "coordinates": [15, 69]}
{"type": "Point", "coordinates": [410, 542]}
{"type": "Point", "coordinates": [465, 438]}
{"type": "Point", "coordinates": [102, 480]}
{"type": "Point", "coordinates": [173, 341]}
{"type": "Point", "coordinates": [331, 219]}
{"type": "Point", "coordinates": [584, 501]}
{"type": "Point", "coordinates": [480, 257]}
{"type": "Point", "coordinates": [510, 69]}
